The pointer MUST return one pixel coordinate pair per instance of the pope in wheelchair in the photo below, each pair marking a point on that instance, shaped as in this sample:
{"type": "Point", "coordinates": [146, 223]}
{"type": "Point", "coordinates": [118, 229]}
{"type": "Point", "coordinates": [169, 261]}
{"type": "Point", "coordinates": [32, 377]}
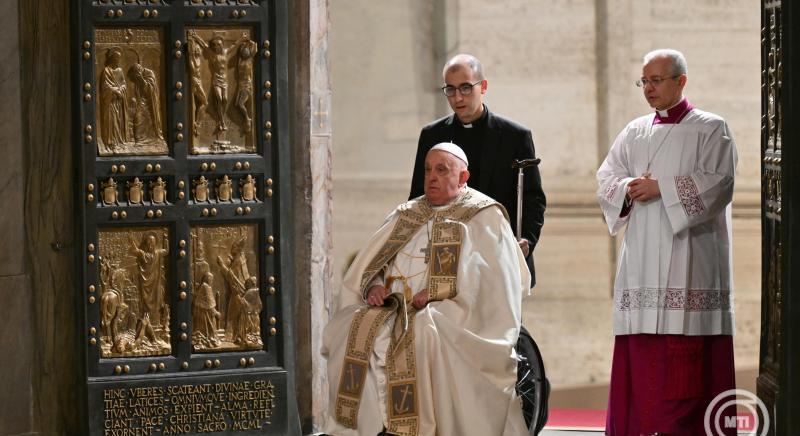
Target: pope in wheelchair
{"type": "Point", "coordinates": [424, 338]}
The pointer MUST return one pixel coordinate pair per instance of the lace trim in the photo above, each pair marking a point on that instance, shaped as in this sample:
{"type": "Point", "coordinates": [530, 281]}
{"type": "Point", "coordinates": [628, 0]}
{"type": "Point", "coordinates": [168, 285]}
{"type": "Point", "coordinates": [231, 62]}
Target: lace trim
{"type": "Point", "coordinates": [695, 300]}
{"type": "Point", "coordinates": [688, 195]}
{"type": "Point", "coordinates": [612, 189]}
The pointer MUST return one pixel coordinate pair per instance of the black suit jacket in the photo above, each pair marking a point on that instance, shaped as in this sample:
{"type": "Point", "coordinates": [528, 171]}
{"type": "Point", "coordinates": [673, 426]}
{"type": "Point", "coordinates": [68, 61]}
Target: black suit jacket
{"type": "Point", "coordinates": [504, 141]}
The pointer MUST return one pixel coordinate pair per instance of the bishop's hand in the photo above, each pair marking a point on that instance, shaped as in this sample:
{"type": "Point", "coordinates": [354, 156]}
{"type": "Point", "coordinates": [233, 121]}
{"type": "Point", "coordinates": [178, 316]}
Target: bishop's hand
{"type": "Point", "coordinates": [376, 295]}
{"type": "Point", "coordinates": [643, 189]}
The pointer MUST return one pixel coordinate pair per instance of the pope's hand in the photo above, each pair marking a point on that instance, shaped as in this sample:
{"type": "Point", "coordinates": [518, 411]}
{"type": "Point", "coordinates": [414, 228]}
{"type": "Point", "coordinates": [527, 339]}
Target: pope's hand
{"type": "Point", "coordinates": [643, 189]}
{"type": "Point", "coordinates": [420, 300]}
{"type": "Point", "coordinates": [376, 295]}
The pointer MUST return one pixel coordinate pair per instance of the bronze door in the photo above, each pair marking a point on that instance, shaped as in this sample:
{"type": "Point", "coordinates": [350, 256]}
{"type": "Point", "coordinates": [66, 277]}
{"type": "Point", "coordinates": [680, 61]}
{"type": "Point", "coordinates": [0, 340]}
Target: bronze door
{"type": "Point", "coordinates": [778, 381]}
{"type": "Point", "coordinates": [183, 150]}
{"type": "Point", "coordinates": [771, 144]}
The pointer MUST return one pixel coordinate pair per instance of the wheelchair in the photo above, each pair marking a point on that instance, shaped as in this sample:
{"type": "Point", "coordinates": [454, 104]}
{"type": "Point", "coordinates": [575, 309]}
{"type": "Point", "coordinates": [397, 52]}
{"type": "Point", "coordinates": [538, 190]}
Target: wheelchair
{"type": "Point", "coordinates": [532, 384]}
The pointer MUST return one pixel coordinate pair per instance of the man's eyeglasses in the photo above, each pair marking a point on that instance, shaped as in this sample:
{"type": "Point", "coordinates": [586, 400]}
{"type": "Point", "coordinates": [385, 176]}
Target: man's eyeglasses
{"type": "Point", "coordinates": [464, 88]}
{"type": "Point", "coordinates": [655, 81]}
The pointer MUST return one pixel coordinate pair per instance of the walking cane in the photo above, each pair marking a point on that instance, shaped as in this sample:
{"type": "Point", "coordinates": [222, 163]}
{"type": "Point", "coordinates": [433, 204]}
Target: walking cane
{"type": "Point", "coordinates": [521, 164]}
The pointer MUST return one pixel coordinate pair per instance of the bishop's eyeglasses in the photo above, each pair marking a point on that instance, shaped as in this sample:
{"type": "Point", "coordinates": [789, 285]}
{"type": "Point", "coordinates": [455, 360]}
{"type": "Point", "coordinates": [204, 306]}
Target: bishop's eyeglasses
{"type": "Point", "coordinates": [465, 89]}
{"type": "Point", "coordinates": [655, 81]}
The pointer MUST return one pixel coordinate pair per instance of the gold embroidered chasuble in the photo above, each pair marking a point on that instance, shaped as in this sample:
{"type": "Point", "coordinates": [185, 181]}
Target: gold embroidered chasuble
{"type": "Point", "coordinates": [444, 254]}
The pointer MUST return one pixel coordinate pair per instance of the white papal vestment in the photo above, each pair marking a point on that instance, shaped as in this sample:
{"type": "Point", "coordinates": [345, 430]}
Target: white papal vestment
{"type": "Point", "coordinates": [674, 274]}
{"type": "Point", "coordinates": [464, 346]}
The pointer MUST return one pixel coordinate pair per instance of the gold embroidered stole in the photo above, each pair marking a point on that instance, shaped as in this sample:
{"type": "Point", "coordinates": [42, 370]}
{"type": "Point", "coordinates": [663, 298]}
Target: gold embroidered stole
{"type": "Point", "coordinates": [365, 326]}
{"type": "Point", "coordinates": [444, 251]}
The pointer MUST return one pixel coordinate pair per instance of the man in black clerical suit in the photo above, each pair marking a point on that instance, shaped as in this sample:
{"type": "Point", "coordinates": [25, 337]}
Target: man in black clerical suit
{"type": "Point", "coordinates": [491, 143]}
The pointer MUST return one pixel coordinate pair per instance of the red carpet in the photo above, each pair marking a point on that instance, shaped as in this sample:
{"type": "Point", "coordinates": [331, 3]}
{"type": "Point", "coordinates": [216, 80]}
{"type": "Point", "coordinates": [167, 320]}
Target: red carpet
{"type": "Point", "coordinates": [576, 419]}
{"type": "Point", "coordinates": [588, 419]}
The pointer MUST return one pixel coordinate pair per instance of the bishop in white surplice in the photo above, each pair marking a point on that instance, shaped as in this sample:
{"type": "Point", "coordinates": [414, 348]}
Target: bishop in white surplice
{"type": "Point", "coordinates": [668, 182]}
{"type": "Point", "coordinates": [674, 273]}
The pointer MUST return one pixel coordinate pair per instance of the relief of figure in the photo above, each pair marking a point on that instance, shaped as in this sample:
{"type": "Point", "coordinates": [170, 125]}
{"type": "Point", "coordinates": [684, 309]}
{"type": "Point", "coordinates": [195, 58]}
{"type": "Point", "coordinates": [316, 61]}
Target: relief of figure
{"type": "Point", "coordinates": [205, 313]}
{"type": "Point", "coordinates": [150, 260]}
{"type": "Point", "coordinates": [237, 276]}
{"type": "Point", "coordinates": [243, 310]}
{"type": "Point", "coordinates": [204, 310]}
{"type": "Point", "coordinates": [113, 97]}
{"type": "Point", "coordinates": [199, 98]}
{"type": "Point", "coordinates": [112, 303]}
{"type": "Point", "coordinates": [217, 56]}
{"type": "Point", "coordinates": [146, 106]}
{"type": "Point", "coordinates": [244, 78]}
{"type": "Point", "coordinates": [199, 264]}
{"type": "Point", "coordinates": [253, 300]}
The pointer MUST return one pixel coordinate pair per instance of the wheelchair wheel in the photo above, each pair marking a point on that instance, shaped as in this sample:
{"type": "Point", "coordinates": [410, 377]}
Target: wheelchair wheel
{"type": "Point", "coordinates": [532, 385]}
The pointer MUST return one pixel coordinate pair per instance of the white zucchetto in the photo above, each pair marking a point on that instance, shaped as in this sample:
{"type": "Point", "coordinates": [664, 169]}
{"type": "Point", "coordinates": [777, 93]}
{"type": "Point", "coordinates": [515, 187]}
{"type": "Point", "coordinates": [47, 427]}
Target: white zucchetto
{"type": "Point", "coordinates": [452, 149]}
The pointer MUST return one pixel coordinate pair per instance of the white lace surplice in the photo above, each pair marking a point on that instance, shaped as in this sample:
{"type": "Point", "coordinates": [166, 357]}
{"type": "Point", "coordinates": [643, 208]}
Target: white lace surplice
{"type": "Point", "coordinates": [674, 274]}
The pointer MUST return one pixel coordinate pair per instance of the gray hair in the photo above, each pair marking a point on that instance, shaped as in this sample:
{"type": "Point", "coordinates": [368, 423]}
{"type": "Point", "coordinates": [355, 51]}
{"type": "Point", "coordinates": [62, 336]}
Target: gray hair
{"type": "Point", "coordinates": [465, 60]}
{"type": "Point", "coordinates": [678, 60]}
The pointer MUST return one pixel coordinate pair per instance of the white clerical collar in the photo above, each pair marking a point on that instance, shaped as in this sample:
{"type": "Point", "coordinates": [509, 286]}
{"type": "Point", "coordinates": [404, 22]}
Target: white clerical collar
{"type": "Point", "coordinates": [665, 113]}
{"type": "Point", "coordinates": [472, 124]}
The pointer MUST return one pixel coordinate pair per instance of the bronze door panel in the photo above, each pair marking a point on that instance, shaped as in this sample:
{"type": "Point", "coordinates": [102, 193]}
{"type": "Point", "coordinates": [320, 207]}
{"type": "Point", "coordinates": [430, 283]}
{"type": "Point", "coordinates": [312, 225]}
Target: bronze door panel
{"type": "Point", "coordinates": [129, 73]}
{"type": "Point", "coordinates": [180, 134]}
{"type": "Point", "coordinates": [134, 309]}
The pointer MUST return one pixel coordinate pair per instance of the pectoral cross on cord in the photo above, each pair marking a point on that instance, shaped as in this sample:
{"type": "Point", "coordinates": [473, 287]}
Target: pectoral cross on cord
{"type": "Point", "coordinates": [427, 250]}
{"type": "Point", "coordinates": [647, 174]}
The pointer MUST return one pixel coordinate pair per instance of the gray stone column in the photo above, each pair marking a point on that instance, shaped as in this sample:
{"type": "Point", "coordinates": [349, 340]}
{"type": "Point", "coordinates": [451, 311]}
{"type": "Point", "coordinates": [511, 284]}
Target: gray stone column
{"type": "Point", "coordinates": [309, 83]}
{"type": "Point", "coordinates": [321, 192]}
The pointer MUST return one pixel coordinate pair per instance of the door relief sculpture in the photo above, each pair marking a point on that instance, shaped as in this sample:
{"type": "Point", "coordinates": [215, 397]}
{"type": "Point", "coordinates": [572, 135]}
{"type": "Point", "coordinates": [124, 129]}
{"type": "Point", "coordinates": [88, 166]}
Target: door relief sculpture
{"type": "Point", "coordinates": [227, 300]}
{"type": "Point", "coordinates": [129, 71]}
{"type": "Point", "coordinates": [133, 282]}
{"type": "Point", "coordinates": [220, 68]}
